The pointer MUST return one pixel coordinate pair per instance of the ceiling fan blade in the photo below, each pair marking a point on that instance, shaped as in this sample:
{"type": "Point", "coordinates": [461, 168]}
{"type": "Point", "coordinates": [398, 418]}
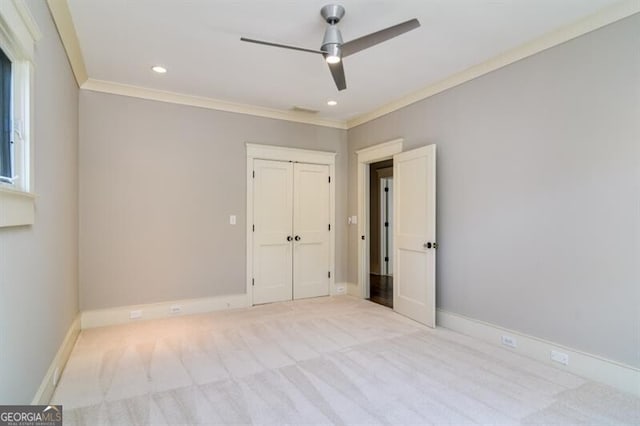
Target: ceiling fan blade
{"type": "Point", "coordinates": [337, 71]}
{"type": "Point", "coordinates": [284, 46]}
{"type": "Point", "coordinates": [364, 42]}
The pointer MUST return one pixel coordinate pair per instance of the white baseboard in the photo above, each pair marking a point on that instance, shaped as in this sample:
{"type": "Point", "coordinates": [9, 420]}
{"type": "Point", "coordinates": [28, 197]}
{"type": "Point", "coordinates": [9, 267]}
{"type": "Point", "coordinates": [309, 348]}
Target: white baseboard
{"type": "Point", "coordinates": [45, 391]}
{"type": "Point", "coordinates": [338, 289]}
{"type": "Point", "coordinates": [121, 314]}
{"type": "Point", "coordinates": [353, 290]}
{"type": "Point", "coordinates": [593, 367]}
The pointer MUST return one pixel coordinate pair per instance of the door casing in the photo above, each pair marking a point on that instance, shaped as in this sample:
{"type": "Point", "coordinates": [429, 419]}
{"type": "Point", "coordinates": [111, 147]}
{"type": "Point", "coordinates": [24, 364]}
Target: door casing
{"type": "Point", "coordinates": [366, 156]}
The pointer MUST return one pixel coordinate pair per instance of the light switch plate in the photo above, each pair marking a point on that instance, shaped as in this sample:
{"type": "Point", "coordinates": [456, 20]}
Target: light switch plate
{"type": "Point", "coordinates": [232, 219]}
{"type": "Point", "coordinates": [354, 220]}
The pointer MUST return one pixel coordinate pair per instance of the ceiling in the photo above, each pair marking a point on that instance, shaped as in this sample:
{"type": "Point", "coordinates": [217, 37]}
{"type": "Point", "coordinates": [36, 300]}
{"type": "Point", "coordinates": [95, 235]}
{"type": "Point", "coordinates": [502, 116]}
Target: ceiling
{"type": "Point", "coordinates": [198, 41]}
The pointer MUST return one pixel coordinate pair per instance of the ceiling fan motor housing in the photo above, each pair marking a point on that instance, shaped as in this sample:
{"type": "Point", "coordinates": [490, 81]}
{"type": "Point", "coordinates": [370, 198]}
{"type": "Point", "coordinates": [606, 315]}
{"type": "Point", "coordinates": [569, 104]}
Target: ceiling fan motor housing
{"type": "Point", "coordinates": [332, 41]}
{"type": "Point", "coordinates": [332, 13]}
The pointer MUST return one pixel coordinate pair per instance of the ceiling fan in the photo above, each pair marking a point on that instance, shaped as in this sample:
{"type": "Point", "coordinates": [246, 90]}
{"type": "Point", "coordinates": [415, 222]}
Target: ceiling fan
{"type": "Point", "coordinates": [333, 49]}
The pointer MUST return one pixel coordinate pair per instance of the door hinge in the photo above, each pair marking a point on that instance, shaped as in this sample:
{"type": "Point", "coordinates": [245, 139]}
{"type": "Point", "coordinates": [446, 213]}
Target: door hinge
{"type": "Point", "coordinates": [254, 174]}
{"type": "Point", "coordinates": [329, 274]}
{"type": "Point", "coordinates": [329, 179]}
{"type": "Point", "coordinates": [386, 259]}
{"type": "Point", "coordinates": [253, 281]}
{"type": "Point", "coordinates": [253, 228]}
{"type": "Point", "coordinates": [386, 224]}
{"type": "Point", "coordinates": [386, 189]}
{"type": "Point", "coordinates": [329, 227]}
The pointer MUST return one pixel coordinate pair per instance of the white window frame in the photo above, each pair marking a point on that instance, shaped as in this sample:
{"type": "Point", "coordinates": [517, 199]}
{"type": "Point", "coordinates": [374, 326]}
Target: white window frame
{"type": "Point", "coordinates": [18, 35]}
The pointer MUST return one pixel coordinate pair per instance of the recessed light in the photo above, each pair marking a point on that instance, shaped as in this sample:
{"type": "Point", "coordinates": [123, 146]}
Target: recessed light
{"type": "Point", "coordinates": [159, 69]}
{"type": "Point", "coordinates": [332, 103]}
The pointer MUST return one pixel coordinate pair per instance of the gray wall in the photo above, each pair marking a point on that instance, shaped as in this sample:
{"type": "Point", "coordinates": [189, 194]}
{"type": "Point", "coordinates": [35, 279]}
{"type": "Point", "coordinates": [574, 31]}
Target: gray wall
{"type": "Point", "coordinates": [157, 185]}
{"type": "Point", "coordinates": [538, 192]}
{"type": "Point", "coordinates": [38, 264]}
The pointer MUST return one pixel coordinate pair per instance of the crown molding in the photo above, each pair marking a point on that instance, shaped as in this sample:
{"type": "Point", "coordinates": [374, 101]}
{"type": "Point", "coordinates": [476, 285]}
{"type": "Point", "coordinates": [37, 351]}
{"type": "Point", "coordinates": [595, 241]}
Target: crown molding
{"type": "Point", "coordinates": [27, 18]}
{"type": "Point", "coordinates": [606, 16]}
{"type": "Point", "coordinates": [64, 22]}
{"type": "Point", "coordinates": [208, 103]}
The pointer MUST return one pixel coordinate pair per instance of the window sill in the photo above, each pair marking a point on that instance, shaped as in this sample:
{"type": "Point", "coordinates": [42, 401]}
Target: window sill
{"type": "Point", "coordinates": [17, 208]}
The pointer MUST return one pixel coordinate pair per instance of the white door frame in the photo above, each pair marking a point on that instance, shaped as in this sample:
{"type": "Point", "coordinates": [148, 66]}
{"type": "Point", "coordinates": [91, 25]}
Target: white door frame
{"type": "Point", "coordinates": [366, 156]}
{"type": "Point", "coordinates": [294, 155]}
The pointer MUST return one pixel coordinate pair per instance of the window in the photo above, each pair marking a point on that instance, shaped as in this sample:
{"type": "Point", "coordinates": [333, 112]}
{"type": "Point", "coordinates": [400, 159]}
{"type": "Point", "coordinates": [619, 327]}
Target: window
{"type": "Point", "coordinates": [6, 154]}
{"type": "Point", "coordinates": [18, 34]}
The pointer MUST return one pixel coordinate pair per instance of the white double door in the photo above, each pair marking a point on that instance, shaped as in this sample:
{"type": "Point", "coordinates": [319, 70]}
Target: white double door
{"type": "Point", "coordinates": [291, 231]}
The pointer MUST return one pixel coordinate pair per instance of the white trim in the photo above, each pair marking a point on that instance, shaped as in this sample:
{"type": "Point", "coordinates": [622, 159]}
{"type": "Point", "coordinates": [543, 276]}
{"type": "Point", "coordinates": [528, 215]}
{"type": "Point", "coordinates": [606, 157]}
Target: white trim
{"type": "Point", "coordinates": [28, 19]}
{"type": "Point", "coordinates": [583, 26]}
{"type": "Point", "coordinates": [612, 373]}
{"type": "Point", "coordinates": [22, 30]}
{"type": "Point", "coordinates": [45, 391]}
{"type": "Point", "coordinates": [338, 289]}
{"type": "Point", "coordinates": [366, 156]}
{"type": "Point", "coordinates": [281, 153]}
{"type": "Point", "coordinates": [379, 152]}
{"type": "Point", "coordinates": [120, 315]}
{"type": "Point", "coordinates": [18, 34]}
{"type": "Point", "coordinates": [17, 208]}
{"type": "Point", "coordinates": [285, 153]}
{"type": "Point", "coordinates": [352, 290]}
{"type": "Point", "coordinates": [64, 23]}
{"type": "Point", "coordinates": [208, 103]}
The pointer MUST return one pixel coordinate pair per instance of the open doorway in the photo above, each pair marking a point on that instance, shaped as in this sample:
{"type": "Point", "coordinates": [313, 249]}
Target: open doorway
{"type": "Point", "coordinates": [380, 232]}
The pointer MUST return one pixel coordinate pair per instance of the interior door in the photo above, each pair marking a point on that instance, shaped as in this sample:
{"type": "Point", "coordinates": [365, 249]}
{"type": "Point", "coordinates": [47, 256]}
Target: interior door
{"type": "Point", "coordinates": [311, 230]}
{"type": "Point", "coordinates": [414, 233]}
{"type": "Point", "coordinates": [272, 251]}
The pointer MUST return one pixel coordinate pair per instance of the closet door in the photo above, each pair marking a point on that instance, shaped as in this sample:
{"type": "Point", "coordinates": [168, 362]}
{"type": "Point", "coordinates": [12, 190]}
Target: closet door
{"type": "Point", "coordinates": [311, 230]}
{"type": "Point", "coordinates": [273, 206]}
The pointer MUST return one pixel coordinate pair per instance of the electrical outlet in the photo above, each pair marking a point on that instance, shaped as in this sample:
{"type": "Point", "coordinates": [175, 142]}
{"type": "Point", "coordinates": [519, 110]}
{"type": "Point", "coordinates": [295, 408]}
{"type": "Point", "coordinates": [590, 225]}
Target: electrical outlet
{"type": "Point", "coordinates": [56, 376]}
{"type": "Point", "coordinates": [135, 314]}
{"type": "Point", "coordinates": [509, 341]}
{"type": "Point", "coordinates": [560, 357]}
{"type": "Point", "coordinates": [175, 309]}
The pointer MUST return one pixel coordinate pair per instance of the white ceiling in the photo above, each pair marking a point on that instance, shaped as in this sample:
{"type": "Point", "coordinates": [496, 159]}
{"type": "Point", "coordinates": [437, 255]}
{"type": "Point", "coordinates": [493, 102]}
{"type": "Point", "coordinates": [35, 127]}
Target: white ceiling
{"type": "Point", "coordinates": [199, 42]}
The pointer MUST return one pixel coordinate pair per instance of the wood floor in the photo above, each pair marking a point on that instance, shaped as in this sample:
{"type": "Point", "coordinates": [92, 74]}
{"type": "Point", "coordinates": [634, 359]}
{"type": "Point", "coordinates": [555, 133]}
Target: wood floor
{"type": "Point", "coordinates": [381, 290]}
{"type": "Point", "coordinates": [331, 360]}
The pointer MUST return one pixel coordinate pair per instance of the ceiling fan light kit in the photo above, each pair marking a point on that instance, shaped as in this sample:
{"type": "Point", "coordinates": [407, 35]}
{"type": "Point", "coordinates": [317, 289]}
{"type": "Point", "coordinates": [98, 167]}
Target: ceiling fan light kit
{"type": "Point", "coordinates": [333, 49]}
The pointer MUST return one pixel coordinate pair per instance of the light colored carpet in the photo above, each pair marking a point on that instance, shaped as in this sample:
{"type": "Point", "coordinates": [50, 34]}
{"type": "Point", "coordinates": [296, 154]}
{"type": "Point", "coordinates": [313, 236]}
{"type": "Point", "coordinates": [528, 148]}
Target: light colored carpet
{"type": "Point", "coordinates": [333, 360]}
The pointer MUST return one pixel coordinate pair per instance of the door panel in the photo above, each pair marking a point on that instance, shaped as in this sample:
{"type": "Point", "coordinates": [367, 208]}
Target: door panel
{"type": "Point", "coordinates": [273, 204]}
{"type": "Point", "coordinates": [310, 224]}
{"type": "Point", "coordinates": [415, 226]}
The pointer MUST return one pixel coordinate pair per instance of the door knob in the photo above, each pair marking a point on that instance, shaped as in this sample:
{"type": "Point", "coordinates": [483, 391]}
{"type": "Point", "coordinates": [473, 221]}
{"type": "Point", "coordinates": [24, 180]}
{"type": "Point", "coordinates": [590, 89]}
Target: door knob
{"type": "Point", "coordinates": [427, 245]}
{"type": "Point", "coordinates": [297, 238]}
{"type": "Point", "coordinates": [289, 238]}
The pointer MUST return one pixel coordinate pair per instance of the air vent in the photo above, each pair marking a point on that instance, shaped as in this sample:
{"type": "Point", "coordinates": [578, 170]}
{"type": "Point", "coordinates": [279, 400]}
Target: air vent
{"type": "Point", "coordinates": [298, 108]}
